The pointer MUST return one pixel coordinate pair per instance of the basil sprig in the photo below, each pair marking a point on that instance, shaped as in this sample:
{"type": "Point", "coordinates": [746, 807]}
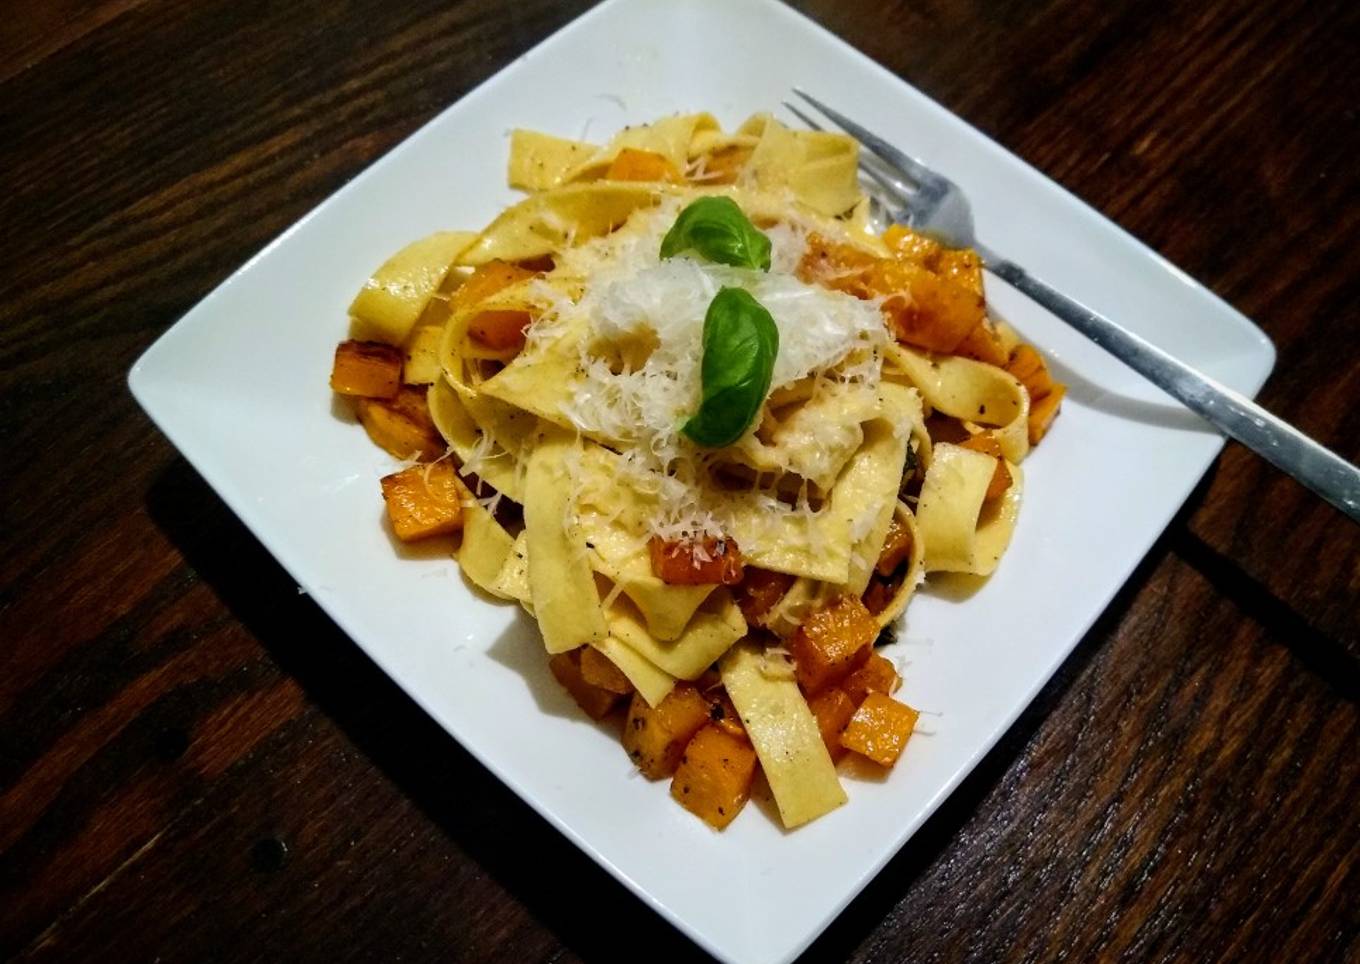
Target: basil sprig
{"type": "Point", "coordinates": [740, 344]}
{"type": "Point", "coordinates": [716, 229]}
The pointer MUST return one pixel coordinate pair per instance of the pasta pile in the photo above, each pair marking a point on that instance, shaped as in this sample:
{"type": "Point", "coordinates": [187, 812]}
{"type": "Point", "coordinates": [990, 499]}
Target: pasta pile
{"type": "Point", "coordinates": [687, 409]}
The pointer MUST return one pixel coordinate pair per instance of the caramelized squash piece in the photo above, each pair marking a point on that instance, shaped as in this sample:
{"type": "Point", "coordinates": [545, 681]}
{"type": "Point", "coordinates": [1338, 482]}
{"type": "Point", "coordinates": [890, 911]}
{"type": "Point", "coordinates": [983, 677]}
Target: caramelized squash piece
{"type": "Point", "coordinates": [500, 329]}
{"type": "Point", "coordinates": [712, 561]}
{"type": "Point", "coordinates": [831, 642]}
{"type": "Point", "coordinates": [986, 443]}
{"type": "Point", "coordinates": [896, 548]}
{"type": "Point", "coordinates": [486, 280]}
{"type": "Point", "coordinates": [1043, 412]}
{"type": "Point", "coordinates": [402, 425]}
{"type": "Point", "coordinates": [597, 669]}
{"type": "Point", "coordinates": [725, 715]}
{"type": "Point", "coordinates": [832, 709]}
{"type": "Point", "coordinates": [909, 245]}
{"type": "Point", "coordinates": [984, 344]}
{"type": "Point", "coordinates": [723, 166]}
{"type": "Point", "coordinates": [631, 164]}
{"type": "Point", "coordinates": [713, 780]}
{"type": "Point", "coordinates": [655, 737]}
{"type": "Point", "coordinates": [880, 729]}
{"type": "Point", "coordinates": [369, 369]}
{"type": "Point", "coordinates": [1027, 365]}
{"type": "Point", "coordinates": [877, 675]}
{"type": "Point", "coordinates": [759, 591]}
{"type": "Point", "coordinates": [595, 700]}
{"type": "Point", "coordinates": [922, 308]}
{"type": "Point", "coordinates": [424, 501]}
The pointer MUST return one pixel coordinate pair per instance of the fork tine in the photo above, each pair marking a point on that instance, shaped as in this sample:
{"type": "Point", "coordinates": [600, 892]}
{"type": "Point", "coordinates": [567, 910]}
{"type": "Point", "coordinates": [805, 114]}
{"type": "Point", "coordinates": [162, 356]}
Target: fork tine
{"type": "Point", "coordinates": [877, 145]}
{"type": "Point", "coordinates": [798, 112]}
{"type": "Point", "coordinates": [897, 190]}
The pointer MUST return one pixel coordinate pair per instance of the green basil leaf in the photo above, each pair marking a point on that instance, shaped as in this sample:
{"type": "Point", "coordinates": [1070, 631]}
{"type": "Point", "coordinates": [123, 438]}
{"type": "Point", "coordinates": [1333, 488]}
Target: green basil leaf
{"type": "Point", "coordinates": [716, 229]}
{"type": "Point", "coordinates": [740, 344]}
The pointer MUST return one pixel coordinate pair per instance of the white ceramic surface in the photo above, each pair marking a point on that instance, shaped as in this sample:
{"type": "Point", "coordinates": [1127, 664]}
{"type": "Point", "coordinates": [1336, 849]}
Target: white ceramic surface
{"type": "Point", "coordinates": [1119, 462]}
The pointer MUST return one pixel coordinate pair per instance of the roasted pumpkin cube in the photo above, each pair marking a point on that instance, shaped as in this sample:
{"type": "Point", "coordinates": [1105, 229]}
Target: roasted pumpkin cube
{"type": "Point", "coordinates": [689, 563]}
{"type": "Point", "coordinates": [832, 709]}
{"type": "Point", "coordinates": [424, 501]}
{"type": "Point", "coordinates": [486, 280]}
{"type": "Point", "coordinates": [500, 329]}
{"type": "Point", "coordinates": [1043, 412]}
{"type": "Point", "coordinates": [599, 670]}
{"type": "Point", "coordinates": [880, 729]}
{"type": "Point", "coordinates": [369, 369]}
{"type": "Point", "coordinates": [912, 246]}
{"type": "Point", "coordinates": [924, 309]}
{"type": "Point", "coordinates": [896, 548]}
{"type": "Point", "coordinates": [832, 641]}
{"type": "Point", "coordinates": [595, 700]}
{"type": "Point", "coordinates": [631, 164]}
{"type": "Point", "coordinates": [963, 266]}
{"type": "Point", "coordinates": [759, 591]}
{"type": "Point", "coordinates": [986, 443]}
{"type": "Point", "coordinates": [984, 344]}
{"type": "Point", "coordinates": [723, 166]}
{"type": "Point", "coordinates": [878, 595]}
{"type": "Point", "coordinates": [655, 736]}
{"type": "Point", "coordinates": [1027, 365]}
{"type": "Point", "coordinates": [836, 265]}
{"type": "Point", "coordinates": [724, 714]}
{"type": "Point", "coordinates": [877, 675]}
{"type": "Point", "coordinates": [713, 780]}
{"type": "Point", "coordinates": [402, 425]}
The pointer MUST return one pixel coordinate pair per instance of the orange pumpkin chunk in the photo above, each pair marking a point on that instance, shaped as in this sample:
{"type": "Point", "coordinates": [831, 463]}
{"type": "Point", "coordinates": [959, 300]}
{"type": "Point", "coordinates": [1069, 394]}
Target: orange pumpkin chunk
{"type": "Point", "coordinates": [1028, 366]}
{"type": "Point", "coordinates": [1043, 412]}
{"type": "Point", "coordinates": [987, 444]}
{"type": "Point", "coordinates": [713, 780]}
{"type": "Point", "coordinates": [500, 329]}
{"type": "Point", "coordinates": [367, 368]}
{"type": "Point", "coordinates": [896, 548]}
{"type": "Point", "coordinates": [655, 737]}
{"type": "Point", "coordinates": [402, 425]}
{"type": "Point", "coordinates": [686, 563]}
{"type": "Point", "coordinates": [595, 700]}
{"type": "Point", "coordinates": [424, 501]}
{"type": "Point", "coordinates": [880, 729]}
{"type": "Point", "coordinates": [832, 709]}
{"type": "Point", "coordinates": [724, 715]}
{"type": "Point", "coordinates": [597, 669]}
{"type": "Point", "coordinates": [486, 280]}
{"type": "Point", "coordinates": [877, 675]}
{"type": "Point", "coordinates": [723, 166]}
{"type": "Point", "coordinates": [984, 344]}
{"type": "Point", "coordinates": [759, 591]}
{"type": "Point", "coordinates": [832, 641]}
{"type": "Point", "coordinates": [631, 164]}
{"type": "Point", "coordinates": [924, 309]}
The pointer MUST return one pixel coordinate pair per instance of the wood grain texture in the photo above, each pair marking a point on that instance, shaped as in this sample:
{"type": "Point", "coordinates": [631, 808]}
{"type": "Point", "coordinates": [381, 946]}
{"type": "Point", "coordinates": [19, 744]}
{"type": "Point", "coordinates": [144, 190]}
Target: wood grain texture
{"type": "Point", "coordinates": [194, 764]}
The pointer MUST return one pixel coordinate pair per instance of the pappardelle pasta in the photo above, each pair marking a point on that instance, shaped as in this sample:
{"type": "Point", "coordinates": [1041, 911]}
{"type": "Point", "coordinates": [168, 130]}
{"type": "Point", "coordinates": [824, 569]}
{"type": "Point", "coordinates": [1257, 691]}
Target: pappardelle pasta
{"type": "Point", "coordinates": [690, 411]}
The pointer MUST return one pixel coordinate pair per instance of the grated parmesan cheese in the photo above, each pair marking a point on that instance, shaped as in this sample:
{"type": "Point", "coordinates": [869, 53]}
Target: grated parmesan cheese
{"type": "Point", "coordinates": [639, 377]}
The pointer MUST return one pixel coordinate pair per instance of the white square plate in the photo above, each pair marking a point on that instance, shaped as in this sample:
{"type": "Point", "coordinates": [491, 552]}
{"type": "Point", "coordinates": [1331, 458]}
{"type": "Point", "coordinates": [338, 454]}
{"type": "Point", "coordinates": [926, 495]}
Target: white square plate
{"type": "Point", "coordinates": [239, 385]}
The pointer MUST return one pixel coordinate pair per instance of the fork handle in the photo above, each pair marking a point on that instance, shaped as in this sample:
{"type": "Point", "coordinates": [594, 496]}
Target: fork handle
{"type": "Point", "coordinates": [1232, 413]}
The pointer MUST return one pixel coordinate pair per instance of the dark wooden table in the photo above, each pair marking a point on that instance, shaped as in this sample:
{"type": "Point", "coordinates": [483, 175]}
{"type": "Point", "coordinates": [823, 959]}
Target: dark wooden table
{"type": "Point", "coordinates": [196, 765]}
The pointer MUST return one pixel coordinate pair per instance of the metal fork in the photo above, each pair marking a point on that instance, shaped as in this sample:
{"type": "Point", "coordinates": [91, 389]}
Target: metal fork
{"type": "Point", "coordinates": [927, 201]}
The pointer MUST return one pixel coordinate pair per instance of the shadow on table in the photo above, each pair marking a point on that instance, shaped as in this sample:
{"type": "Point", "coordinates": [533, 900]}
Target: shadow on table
{"type": "Point", "coordinates": [511, 842]}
